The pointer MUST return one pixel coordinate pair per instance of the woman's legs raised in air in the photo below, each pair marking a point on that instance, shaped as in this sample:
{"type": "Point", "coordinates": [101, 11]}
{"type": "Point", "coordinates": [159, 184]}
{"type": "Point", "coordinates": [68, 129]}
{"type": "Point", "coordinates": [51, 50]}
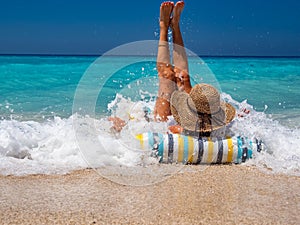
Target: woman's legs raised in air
{"type": "Point", "coordinates": [170, 78]}
{"type": "Point", "coordinates": [165, 70]}
{"type": "Point", "coordinates": [179, 55]}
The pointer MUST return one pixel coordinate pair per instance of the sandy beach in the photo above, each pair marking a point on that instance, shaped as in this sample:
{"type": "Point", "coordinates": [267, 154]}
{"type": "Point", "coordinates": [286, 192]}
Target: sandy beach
{"type": "Point", "coordinates": [227, 194]}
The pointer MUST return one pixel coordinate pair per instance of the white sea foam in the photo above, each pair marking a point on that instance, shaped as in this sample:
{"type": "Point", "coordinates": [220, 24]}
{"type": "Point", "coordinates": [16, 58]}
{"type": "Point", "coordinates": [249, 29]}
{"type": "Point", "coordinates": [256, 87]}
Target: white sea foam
{"type": "Point", "coordinates": [53, 146]}
{"type": "Point", "coordinates": [282, 143]}
{"type": "Point", "coordinates": [30, 147]}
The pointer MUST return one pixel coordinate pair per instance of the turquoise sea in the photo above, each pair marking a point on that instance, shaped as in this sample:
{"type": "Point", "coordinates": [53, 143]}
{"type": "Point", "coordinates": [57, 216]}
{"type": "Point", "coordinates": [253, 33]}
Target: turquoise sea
{"type": "Point", "coordinates": [38, 87]}
{"type": "Point", "coordinates": [37, 104]}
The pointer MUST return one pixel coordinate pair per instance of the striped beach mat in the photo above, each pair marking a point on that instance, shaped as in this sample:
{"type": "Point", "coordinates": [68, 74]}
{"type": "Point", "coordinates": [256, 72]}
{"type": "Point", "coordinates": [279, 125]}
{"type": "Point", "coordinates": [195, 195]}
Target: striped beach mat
{"type": "Point", "coordinates": [177, 148]}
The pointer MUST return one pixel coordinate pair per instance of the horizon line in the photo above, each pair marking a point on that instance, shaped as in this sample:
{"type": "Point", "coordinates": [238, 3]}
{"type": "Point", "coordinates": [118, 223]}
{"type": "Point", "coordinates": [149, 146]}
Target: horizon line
{"type": "Point", "coordinates": [98, 55]}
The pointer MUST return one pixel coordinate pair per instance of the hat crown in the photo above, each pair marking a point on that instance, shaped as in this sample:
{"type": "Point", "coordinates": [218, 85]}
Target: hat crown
{"type": "Point", "coordinates": [205, 99]}
{"type": "Point", "coordinates": [217, 113]}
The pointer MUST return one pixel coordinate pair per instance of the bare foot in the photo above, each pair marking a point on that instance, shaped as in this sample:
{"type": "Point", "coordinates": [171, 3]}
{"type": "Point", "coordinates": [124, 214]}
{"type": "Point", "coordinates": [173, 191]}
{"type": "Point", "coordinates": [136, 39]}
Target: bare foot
{"type": "Point", "coordinates": [166, 9]}
{"type": "Point", "coordinates": [176, 14]}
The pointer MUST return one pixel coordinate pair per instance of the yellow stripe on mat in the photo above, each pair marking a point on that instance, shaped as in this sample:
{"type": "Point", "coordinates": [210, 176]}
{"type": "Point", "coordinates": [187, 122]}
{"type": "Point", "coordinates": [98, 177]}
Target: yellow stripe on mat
{"type": "Point", "coordinates": [140, 137]}
{"type": "Point", "coordinates": [190, 149]}
{"type": "Point", "coordinates": [180, 148]}
{"type": "Point", "coordinates": [210, 150]}
{"type": "Point", "coordinates": [230, 150]}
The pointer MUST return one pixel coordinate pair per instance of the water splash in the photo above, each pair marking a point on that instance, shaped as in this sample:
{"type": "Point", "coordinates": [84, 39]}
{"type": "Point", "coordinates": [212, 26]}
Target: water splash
{"type": "Point", "coordinates": [28, 147]}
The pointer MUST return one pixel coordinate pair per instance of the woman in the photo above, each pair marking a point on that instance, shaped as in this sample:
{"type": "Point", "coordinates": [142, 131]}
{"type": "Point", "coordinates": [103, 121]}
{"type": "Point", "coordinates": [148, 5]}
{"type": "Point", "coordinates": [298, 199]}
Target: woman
{"type": "Point", "coordinates": [199, 110]}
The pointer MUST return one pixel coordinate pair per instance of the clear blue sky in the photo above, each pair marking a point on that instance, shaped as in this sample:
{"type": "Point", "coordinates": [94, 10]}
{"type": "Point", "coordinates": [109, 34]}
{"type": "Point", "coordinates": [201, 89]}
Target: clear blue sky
{"type": "Point", "coordinates": [214, 27]}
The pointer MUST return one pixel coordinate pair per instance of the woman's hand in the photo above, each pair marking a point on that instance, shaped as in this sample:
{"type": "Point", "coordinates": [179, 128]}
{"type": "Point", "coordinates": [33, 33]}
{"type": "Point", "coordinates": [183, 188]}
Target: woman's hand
{"type": "Point", "coordinates": [118, 123]}
{"type": "Point", "coordinates": [244, 112]}
{"type": "Point", "coordinates": [183, 80]}
{"type": "Point", "coordinates": [176, 129]}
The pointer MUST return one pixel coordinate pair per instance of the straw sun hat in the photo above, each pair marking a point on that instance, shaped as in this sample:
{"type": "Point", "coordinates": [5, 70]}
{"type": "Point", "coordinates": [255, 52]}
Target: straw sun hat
{"type": "Point", "coordinates": [202, 110]}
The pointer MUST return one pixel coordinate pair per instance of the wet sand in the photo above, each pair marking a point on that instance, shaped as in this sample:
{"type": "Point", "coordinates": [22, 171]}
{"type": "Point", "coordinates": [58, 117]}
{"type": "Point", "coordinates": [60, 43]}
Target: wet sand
{"type": "Point", "coordinates": [227, 194]}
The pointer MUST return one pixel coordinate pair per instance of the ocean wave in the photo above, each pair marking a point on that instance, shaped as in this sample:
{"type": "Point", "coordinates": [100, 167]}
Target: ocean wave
{"type": "Point", "coordinates": [60, 145]}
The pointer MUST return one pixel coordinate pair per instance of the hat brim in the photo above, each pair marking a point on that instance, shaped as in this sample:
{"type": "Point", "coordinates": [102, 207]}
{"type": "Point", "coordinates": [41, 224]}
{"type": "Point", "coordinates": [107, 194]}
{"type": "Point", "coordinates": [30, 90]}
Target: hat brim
{"type": "Point", "coordinates": [190, 120]}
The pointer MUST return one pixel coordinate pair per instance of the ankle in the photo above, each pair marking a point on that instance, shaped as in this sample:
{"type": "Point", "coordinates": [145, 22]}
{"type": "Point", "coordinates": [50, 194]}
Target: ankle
{"type": "Point", "coordinates": [163, 35]}
{"type": "Point", "coordinates": [163, 26]}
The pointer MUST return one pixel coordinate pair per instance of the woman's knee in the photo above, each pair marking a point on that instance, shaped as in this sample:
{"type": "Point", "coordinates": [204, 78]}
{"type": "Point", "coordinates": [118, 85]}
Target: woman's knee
{"type": "Point", "coordinates": [166, 71]}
